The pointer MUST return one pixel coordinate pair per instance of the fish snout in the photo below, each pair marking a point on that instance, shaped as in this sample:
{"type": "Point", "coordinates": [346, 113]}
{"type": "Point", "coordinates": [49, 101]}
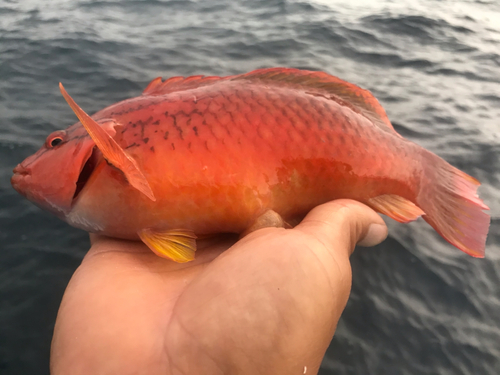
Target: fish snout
{"type": "Point", "coordinates": [21, 170]}
{"type": "Point", "coordinates": [18, 180]}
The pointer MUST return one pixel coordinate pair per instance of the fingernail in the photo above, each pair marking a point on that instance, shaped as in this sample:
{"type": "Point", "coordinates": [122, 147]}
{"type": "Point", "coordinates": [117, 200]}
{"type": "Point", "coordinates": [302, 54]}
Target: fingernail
{"type": "Point", "coordinates": [376, 234]}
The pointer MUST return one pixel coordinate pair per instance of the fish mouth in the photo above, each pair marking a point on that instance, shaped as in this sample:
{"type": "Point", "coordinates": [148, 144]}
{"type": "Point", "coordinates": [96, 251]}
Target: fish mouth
{"type": "Point", "coordinates": [20, 170]}
{"type": "Point", "coordinates": [86, 172]}
{"type": "Point", "coordinates": [19, 177]}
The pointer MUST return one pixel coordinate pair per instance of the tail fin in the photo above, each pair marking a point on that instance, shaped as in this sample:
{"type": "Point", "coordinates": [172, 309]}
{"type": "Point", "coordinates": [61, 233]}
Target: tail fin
{"type": "Point", "coordinates": [452, 207]}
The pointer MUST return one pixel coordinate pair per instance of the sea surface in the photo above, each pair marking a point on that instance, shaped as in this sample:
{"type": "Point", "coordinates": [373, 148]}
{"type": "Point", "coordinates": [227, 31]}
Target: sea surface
{"type": "Point", "coordinates": [418, 305]}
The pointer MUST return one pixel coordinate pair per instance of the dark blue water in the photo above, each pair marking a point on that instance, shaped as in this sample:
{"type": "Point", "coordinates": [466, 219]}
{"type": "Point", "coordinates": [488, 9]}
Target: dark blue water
{"type": "Point", "coordinates": [418, 306]}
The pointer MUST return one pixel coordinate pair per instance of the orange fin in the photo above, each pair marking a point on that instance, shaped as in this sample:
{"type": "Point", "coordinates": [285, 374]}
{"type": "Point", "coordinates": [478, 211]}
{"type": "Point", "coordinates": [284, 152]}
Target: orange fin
{"type": "Point", "coordinates": [152, 85]}
{"type": "Point", "coordinates": [396, 207]}
{"type": "Point", "coordinates": [452, 206]}
{"type": "Point", "coordinates": [176, 244]}
{"type": "Point", "coordinates": [323, 84]}
{"type": "Point", "coordinates": [111, 151]}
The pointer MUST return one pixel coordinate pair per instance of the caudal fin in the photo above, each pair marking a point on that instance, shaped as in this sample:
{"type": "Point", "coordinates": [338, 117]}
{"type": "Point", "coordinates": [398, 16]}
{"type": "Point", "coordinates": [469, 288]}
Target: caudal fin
{"type": "Point", "coordinates": [452, 207]}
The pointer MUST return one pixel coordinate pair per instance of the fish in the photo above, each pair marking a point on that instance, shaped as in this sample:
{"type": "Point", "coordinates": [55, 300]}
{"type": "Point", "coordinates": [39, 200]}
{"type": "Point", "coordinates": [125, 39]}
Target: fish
{"type": "Point", "coordinates": [200, 155]}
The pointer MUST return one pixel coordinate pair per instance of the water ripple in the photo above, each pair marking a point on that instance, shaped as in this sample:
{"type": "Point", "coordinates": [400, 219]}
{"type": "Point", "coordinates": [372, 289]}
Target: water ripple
{"type": "Point", "coordinates": [417, 305]}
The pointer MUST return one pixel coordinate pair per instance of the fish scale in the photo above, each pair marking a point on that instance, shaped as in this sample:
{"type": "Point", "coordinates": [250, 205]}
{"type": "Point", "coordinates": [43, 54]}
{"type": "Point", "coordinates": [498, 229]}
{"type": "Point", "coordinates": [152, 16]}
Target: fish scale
{"type": "Point", "coordinates": [262, 143]}
{"type": "Point", "coordinates": [203, 155]}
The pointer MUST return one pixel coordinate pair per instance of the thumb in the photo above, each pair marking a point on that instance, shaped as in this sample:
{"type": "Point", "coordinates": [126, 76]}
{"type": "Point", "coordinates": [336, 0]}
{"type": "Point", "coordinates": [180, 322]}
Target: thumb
{"type": "Point", "coordinates": [343, 223]}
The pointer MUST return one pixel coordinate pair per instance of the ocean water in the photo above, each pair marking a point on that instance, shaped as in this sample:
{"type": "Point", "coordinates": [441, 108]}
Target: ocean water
{"type": "Point", "coordinates": [418, 306]}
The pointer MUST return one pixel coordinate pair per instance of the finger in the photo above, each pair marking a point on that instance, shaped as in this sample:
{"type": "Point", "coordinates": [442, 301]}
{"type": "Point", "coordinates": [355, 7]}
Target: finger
{"type": "Point", "coordinates": [343, 223]}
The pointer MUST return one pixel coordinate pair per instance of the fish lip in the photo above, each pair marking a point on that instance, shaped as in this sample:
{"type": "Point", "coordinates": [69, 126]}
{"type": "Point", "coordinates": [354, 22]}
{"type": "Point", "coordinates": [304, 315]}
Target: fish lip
{"type": "Point", "coordinates": [21, 170]}
{"type": "Point", "coordinates": [18, 179]}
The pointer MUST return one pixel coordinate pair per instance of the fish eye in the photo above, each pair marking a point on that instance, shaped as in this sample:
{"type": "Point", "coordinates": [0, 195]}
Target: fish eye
{"type": "Point", "coordinates": [54, 142]}
{"type": "Point", "coordinates": [55, 139]}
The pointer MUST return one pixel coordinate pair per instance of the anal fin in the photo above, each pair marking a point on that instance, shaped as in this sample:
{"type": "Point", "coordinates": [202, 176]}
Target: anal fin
{"type": "Point", "coordinates": [176, 244]}
{"type": "Point", "coordinates": [396, 207]}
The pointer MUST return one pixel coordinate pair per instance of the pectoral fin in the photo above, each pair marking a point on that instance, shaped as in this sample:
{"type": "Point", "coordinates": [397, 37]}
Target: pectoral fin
{"type": "Point", "coordinates": [111, 150]}
{"type": "Point", "coordinates": [176, 244]}
{"type": "Point", "coordinates": [396, 207]}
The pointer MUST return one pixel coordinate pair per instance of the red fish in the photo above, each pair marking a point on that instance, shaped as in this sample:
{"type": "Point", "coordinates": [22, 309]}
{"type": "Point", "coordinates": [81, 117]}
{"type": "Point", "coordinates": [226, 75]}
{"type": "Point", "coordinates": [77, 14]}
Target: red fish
{"type": "Point", "coordinates": [203, 155]}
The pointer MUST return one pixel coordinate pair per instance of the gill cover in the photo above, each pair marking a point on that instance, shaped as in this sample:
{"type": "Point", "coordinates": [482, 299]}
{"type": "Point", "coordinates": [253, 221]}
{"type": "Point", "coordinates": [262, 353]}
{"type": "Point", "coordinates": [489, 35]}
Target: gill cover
{"type": "Point", "coordinates": [49, 177]}
{"type": "Point", "coordinates": [111, 151]}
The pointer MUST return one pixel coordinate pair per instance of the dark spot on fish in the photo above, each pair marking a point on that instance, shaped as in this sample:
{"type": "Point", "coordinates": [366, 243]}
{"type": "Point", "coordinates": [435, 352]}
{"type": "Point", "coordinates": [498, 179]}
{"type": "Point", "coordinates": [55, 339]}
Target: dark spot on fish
{"type": "Point", "coordinates": [342, 139]}
{"type": "Point", "coordinates": [145, 140]}
{"type": "Point", "coordinates": [166, 114]}
{"type": "Point", "coordinates": [195, 129]}
{"type": "Point", "coordinates": [231, 115]}
{"type": "Point", "coordinates": [157, 122]}
{"type": "Point", "coordinates": [156, 131]}
{"type": "Point", "coordinates": [134, 125]}
{"type": "Point", "coordinates": [152, 148]}
{"type": "Point", "coordinates": [132, 145]}
{"type": "Point", "coordinates": [173, 147]}
{"type": "Point", "coordinates": [142, 127]}
{"type": "Point", "coordinates": [179, 129]}
{"type": "Point", "coordinates": [182, 112]}
{"type": "Point", "coordinates": [165, 136]}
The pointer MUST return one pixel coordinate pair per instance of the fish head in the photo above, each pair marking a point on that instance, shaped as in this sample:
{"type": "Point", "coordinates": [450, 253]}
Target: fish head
{"type": "Point", "coordinates": [53, 177]}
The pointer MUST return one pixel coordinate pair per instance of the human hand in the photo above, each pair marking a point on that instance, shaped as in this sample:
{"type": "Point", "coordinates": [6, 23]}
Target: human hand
{"type": "Point", "coordinates": [266, 304]}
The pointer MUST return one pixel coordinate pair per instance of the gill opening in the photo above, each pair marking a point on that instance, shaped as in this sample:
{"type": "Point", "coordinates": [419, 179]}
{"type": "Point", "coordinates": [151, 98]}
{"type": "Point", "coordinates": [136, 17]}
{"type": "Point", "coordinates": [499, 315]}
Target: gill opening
{"type": "Point", "coordinates": [86, 172]}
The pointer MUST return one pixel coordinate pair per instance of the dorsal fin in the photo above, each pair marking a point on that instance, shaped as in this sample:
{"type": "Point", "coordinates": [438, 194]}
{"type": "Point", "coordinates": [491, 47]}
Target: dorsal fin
{"type": "Point", "coordinates": [172, 84]}
{"type": "Point", "coordinates": [360, 100]}
{"type": "Point", "coordinates": [316, 83]}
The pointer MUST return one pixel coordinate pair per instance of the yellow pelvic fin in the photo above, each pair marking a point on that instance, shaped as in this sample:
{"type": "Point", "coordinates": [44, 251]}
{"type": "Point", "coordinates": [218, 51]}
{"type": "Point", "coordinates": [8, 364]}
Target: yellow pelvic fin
{"type": "Point", "coordinates": [111, 150]}
{"type": "Point", "coordinates": [396, 207]}
{"type": "Point", "coordinates": [176, 244]}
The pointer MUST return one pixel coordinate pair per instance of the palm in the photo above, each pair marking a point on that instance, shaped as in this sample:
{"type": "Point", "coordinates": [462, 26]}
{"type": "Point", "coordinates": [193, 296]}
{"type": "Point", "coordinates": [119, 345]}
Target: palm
{"type": "Point", "coordinates": [270, 304]}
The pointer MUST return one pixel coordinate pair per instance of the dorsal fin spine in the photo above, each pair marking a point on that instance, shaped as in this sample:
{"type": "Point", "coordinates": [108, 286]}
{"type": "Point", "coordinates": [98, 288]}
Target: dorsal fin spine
{"type": "Point", "coordinates": [152, 85]}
